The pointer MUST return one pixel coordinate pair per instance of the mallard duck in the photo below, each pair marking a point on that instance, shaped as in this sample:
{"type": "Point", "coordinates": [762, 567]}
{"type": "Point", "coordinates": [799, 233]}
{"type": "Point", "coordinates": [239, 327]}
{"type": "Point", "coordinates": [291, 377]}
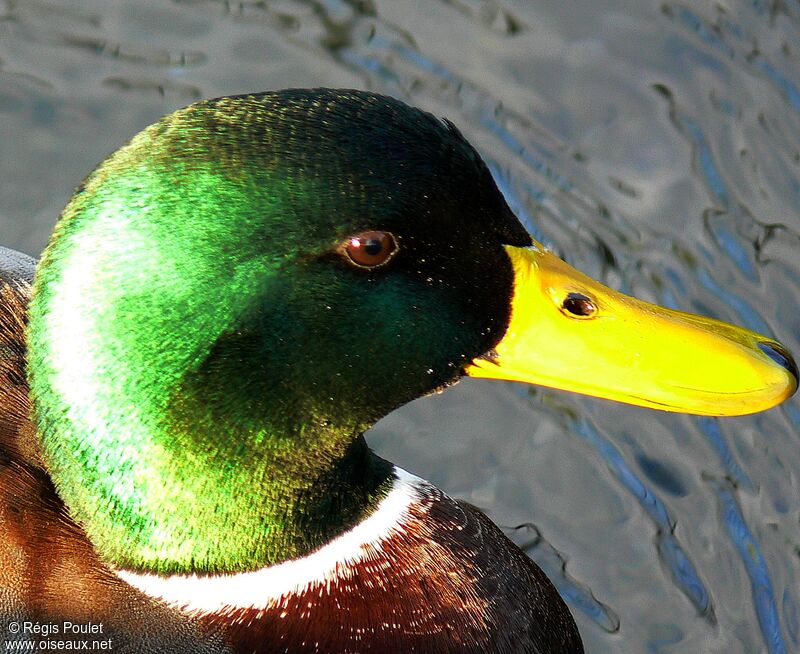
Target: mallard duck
{"type": "Point", "coordinates": [226, 304]}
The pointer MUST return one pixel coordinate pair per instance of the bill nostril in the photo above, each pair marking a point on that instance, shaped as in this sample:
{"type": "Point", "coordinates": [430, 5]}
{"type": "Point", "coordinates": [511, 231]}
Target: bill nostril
{"type": "Point", "coordinates": [779, 355]}
{"type": "Point", "coordinates": [579, 305]}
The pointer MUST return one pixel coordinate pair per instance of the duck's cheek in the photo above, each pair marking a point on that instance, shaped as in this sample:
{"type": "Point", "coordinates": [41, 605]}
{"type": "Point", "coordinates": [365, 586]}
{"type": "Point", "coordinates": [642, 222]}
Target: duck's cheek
{"type": "Point", "coordinates": [568, 331]}
{"type": "Point", "coordinates": [463, 287]}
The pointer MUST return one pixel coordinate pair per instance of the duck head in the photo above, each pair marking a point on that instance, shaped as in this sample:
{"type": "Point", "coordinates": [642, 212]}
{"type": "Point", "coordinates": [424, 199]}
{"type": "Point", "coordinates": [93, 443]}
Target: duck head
{"type": "Point", "coordinates": [233, 297]}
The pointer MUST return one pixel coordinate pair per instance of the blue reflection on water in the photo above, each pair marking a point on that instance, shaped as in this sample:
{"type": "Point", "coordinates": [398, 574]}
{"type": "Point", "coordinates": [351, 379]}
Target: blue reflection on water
{"type": "Point", "coordinates": [701, 28]}
{"type": "Point", "coordinates": [788, 88]}
{"type": "Point", "coordinates": [747, 314]}
{"type": "Point", "coordinates": [761, 586]}
{"type": "Point", "coordinates": [515, 203]}
{"type": "Point", "coordinates": [539, 166]}
{"type": "Point", "coordinates": [733, 248]}
{"type": "Point", "coordinates": [705, 159]}
{"type": "Point", "coordinates": [712, 36]}
{"type": "Point", "coordinates": [574, 593]}
{"type": "Point", "coordinates": [710, 427]}
{"type": "Point", "coordinates": [671, 553]}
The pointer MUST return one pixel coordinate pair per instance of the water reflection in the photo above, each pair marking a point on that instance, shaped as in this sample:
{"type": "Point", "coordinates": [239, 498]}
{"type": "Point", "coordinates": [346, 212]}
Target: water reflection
{"type": "Point", "coordinates": [654, 145]}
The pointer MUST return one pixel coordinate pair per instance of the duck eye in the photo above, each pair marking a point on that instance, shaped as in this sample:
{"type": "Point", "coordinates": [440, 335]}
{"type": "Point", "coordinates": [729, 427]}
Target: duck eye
{"type": "Point", "coordinates": [579, 305]}
{"type": "Point", "coordinates": [369, 249]}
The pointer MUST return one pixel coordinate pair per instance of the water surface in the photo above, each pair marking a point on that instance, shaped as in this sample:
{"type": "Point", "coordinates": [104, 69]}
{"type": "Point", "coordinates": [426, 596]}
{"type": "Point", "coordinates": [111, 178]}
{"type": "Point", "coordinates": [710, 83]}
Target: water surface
{"type": "Point", "coordinates": [655, 145]}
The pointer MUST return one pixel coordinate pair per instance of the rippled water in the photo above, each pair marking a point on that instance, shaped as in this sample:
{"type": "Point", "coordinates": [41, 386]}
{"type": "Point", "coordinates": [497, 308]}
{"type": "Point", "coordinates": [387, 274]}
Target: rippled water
{"type": "Point", "coordinates": [655, 145]}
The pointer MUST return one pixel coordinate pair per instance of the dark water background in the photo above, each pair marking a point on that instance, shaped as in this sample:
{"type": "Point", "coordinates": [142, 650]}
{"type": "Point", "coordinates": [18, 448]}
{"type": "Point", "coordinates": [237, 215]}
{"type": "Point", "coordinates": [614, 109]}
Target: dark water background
{"type": "Point", "coordinates": [655, 145]}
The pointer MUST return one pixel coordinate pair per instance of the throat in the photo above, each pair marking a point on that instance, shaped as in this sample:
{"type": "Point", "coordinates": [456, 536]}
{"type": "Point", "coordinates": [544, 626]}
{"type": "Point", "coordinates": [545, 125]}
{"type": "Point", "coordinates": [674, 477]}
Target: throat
{"type": "Point", "coordinates": [216, 513]}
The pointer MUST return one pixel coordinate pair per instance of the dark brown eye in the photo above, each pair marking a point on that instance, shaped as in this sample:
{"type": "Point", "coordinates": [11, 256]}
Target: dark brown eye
{"type": "Point", "coordinates": [369, 249]}
{"type": "Point", "coordinates": [579, 305]}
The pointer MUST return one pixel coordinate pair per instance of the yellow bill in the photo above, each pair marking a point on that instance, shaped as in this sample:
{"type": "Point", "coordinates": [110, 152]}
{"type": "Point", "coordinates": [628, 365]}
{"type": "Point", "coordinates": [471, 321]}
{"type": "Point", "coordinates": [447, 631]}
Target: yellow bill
{"type": "Point", "coordinates": [570, 332]}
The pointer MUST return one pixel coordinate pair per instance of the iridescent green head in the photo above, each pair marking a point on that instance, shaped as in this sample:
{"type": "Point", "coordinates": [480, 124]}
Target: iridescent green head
{"type": "Point", "coordinates": [210, 332]}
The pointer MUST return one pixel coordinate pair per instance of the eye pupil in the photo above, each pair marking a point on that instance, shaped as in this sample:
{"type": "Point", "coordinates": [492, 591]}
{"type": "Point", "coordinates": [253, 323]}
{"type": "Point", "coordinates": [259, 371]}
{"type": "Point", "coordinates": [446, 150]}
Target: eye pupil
{"type": "Point", "coordinates": [372, 247]}
{"type": "Point", "coordinates": [579, 305]}
{"type": "Point", "coordinates": [369, 249]}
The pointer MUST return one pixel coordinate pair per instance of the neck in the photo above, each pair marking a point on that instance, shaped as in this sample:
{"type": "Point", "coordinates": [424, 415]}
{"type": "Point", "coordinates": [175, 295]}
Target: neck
{"type": "Point", "coordinates": [175, 510]}
{"type": "Point", "coordinates": [265, 588]}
